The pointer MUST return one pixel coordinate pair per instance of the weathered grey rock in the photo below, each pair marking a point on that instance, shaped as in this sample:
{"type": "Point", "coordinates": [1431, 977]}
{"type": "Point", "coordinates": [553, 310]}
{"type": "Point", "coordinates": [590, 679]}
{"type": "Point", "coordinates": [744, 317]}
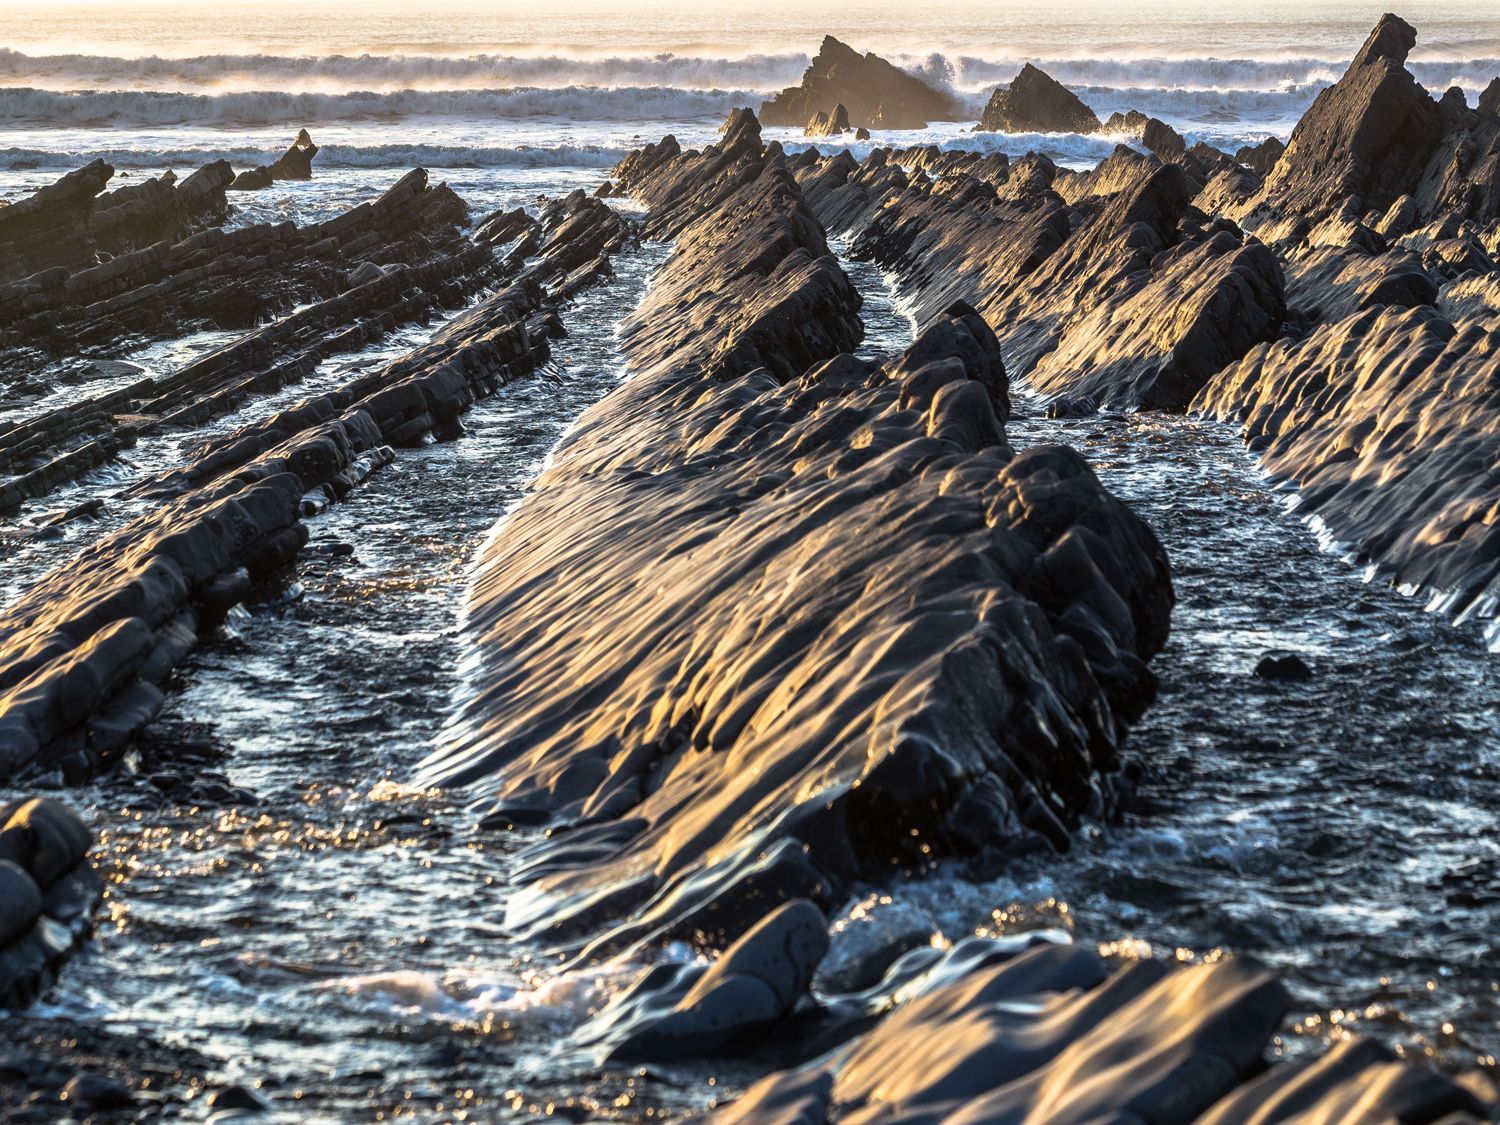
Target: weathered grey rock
{"type": "Point", "coordinates": [877, 94]}
{"type": "Point", "coordinates": [1035, 102]}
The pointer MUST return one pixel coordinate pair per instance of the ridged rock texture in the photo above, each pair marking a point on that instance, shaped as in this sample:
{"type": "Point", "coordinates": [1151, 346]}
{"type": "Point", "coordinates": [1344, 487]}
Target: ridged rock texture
{"type": "Point", "coordinates": [1376, 135]}
{"type": "Point", "coordinates": [1111, 285]}
{"type": "Point", "coordinates": [65, 226]}
{"type": "Point", "coordinates": [877, 94]}
{"type": "Point", "coordinates": [775, 618]}
{"type": "Point", "coordinates": [1051, 1036]}
{"type": "Point", "coordinates": [85, 650]}
{"type": "Point", "coordinates": [1148, 281]}
{"type": "Point", "coordinates": [228, 279]}
{"type": "Point", "coordinates": [396, 260]}
{"type": "Point", "coordinates": [1035, 102]}
{"type": "Point", "coordinates": [1388, 421]}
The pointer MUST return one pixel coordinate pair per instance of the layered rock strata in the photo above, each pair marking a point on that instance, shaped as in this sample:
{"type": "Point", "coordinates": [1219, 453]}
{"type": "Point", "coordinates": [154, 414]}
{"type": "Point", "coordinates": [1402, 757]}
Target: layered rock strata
{"type": "Point", "coordinates": [876, 94]}
{"type": "Point", "coordinates": [819, 621]}
{"type": "Point", "coordinates": [39, 453]}
{"type": "Point", "coordinates": [218, 278]}
{"type": "Point", "coordinates": [1388, 421]}
{"type": "Point", "coordinates": [1376, 135]}
{"type": "Point", "coordinates": [1111, 285]}
{"type": "Point", "coordinates": [1053, 1033]}
{"type": "Point", "coordinates": [84, 652]}
{"type": "Point", "coordinates": [68, 225]}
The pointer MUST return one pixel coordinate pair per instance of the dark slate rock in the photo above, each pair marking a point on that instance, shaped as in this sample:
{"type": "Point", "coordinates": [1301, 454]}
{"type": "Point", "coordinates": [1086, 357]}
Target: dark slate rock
{"type": "Point", "coordinates": [877, 506]}
{"type": "Point", "coordinates": [1282, 666]}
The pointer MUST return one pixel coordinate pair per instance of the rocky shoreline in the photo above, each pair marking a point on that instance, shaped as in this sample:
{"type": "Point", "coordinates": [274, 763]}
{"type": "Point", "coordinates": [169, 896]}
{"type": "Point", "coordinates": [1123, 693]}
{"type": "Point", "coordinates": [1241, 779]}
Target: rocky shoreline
{"type": "Point", "coordinates": [776, 624]}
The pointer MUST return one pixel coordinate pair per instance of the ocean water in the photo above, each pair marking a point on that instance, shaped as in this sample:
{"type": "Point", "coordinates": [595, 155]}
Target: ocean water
{"type": "Point", "coordinates": [514, 88]}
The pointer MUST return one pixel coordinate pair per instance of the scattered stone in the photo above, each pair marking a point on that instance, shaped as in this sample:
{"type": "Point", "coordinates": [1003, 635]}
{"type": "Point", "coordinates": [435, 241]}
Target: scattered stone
{"type": "Point", "coordinates": [238, 1097]}
{"type": "Point", "coordinates": [294, 164]}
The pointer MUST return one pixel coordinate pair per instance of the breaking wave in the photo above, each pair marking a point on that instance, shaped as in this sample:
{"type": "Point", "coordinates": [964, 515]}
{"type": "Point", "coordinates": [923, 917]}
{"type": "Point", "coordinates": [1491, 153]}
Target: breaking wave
{"type": "Point", "coordinates": [393, 73]}
{"type": "Point", "coordinates": [329, 156]}
{"type": "Point", "coordinates": [579, 103]}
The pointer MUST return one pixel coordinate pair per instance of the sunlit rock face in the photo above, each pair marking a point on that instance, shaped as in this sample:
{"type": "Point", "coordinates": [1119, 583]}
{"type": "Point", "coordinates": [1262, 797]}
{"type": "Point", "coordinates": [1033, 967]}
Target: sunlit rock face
{"type": "Point", "coordinates": [1377, 135]}
{"type": "Point", "coordinates": [1052, 1035]}
{"type": "Point", "coordinates": [1387, 422]}
{"type": "Point", "coordinates": [1110, 285]}
{"type": "Point", "coordinates": [776, 618]}
{"type": "Point", "coordinates": [877, 94]}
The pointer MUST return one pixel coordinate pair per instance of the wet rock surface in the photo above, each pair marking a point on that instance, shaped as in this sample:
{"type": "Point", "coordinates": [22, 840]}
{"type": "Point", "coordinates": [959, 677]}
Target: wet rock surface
{"type": "Point", "coordinates": [1386, 423]}
{"type": "Point", "coordinates": [48, 891]}
{"type": "Point", "coordinates": [294, 164]}
{"type": "Point", "coordinates": [957, 688]}
{"type": "Point", "coordinates": [84, 653]}
{"type": "Point", "coordinates": [895, 636]}
{"type": "Point", "coordinates": [1111, 285]}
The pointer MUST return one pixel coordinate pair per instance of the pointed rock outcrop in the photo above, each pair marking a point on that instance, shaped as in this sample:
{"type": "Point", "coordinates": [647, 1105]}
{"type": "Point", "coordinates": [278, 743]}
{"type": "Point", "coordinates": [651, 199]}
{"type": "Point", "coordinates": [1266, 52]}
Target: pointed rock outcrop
{"type": "Point", "coordinates": [1035, 102]}
{"type": "Point", "coordinates": [876, 93]}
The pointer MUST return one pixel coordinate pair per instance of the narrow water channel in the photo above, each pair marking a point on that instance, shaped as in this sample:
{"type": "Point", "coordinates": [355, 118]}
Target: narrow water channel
{"type": "Point", "coordinates": [312, 927]}
{"type": "Point", "coordinates": [1345, 829]}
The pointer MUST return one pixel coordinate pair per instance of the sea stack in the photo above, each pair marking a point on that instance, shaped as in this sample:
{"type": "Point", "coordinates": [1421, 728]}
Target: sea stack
{"type": "Point", "coordinates": [875, 93]}
{"type": "Point", "coordinates": [294, 164]}
{"type": "Point", "coordinates": [1035, 102]}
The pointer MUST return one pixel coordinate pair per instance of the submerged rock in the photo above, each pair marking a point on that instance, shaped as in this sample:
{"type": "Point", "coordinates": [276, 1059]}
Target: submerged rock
{"type": "Point", "coordinates": [675, 1012]}
{"type": "Point", "coordinates": [1035, 102]}
{"type": "Point", "coordinates": [877, 94]}
{"type": "Point", "coordinates": [1283, 666]}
